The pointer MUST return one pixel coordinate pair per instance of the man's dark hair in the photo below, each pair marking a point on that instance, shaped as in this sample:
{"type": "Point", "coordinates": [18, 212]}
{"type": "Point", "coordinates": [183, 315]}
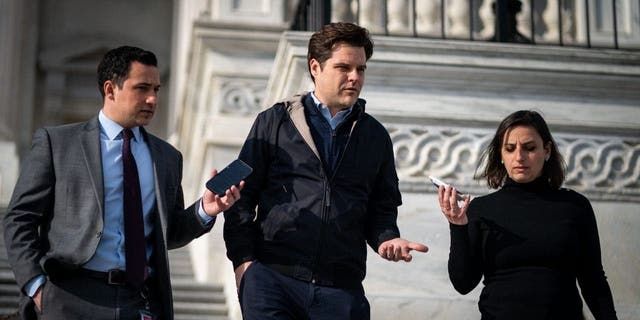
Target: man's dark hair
{"type": "Point", "coordinates": [323, 42]}
{"type": "Point", "coordinates": [116, 63]}
{"type": "Point", "coordinates": [554, 169]}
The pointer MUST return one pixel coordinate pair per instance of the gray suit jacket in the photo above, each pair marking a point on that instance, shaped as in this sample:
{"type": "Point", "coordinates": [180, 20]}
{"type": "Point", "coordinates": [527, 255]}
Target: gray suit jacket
{"type": "Point", "coordinates": [55, 218]}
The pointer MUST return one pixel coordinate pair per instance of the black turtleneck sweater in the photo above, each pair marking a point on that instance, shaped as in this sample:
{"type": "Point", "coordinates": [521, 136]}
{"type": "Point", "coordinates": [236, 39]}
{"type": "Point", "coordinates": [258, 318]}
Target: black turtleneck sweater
{"type": "Point", "coordinates": [531, 243]}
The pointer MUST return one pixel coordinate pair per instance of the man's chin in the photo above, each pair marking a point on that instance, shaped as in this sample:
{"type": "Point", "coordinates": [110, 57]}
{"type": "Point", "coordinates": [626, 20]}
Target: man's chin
{"type": "Point", "coordinates": [349, 101]}
{"type": "Point", "coordinates": [143, 122]}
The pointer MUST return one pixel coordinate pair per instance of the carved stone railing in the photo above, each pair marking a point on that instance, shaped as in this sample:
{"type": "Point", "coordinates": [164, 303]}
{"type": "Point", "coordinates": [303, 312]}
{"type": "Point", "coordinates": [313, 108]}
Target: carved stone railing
{"type": "Point", "coordinates": [571, 23]}
{"type": "Point", "coordinates": [605, 166]}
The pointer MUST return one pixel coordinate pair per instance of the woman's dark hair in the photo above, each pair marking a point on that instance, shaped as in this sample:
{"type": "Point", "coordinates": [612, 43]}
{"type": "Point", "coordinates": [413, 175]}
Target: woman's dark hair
{"type": "Point", "coordinates": [554, 169]}
{"type": "Point", "coordinates": [323, 42]}
{"type": "Point", "coordinates": [116, 64]}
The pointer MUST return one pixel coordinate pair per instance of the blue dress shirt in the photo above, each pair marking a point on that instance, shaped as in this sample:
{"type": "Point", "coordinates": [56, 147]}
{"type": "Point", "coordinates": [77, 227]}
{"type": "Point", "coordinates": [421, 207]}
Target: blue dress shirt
{"type": "Point", "coordinates": [324, 110]}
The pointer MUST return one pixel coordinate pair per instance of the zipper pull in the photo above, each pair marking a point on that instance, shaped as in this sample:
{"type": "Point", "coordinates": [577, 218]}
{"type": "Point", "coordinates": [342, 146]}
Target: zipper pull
{"type": "Point", "coordinates": [327, 196]}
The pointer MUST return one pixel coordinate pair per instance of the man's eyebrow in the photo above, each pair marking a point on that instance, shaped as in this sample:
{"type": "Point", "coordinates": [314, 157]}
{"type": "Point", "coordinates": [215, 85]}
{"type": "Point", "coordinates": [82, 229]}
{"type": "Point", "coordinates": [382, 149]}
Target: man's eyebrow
{"type": "Point", "coordinates": [147, 84]}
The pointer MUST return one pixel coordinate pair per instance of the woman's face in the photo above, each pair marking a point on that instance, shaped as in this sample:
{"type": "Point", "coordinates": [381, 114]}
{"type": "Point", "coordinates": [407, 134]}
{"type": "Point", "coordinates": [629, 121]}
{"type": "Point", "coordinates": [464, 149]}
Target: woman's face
{"type": "Point", "coordinates": [524, 153]}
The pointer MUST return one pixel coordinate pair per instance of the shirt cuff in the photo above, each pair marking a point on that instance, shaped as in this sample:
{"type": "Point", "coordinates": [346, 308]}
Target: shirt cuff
{"type": "Point", "coordinates": [206, 219]}
{"type": "Point", "coordinates": [34, 284]}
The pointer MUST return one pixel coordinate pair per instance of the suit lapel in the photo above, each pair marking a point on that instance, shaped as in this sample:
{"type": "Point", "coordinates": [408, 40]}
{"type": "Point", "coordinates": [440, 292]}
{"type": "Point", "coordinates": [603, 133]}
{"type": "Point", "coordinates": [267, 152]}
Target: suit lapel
{"type": "Point", "coordinates": [90, 145]}
{"type": "Point", "coordinates": [159, 180]}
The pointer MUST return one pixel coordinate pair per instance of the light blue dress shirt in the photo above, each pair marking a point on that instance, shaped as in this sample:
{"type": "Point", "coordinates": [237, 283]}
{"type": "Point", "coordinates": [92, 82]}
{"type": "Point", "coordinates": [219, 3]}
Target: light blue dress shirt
{"type": "Point", "coordinates": [110, 251]}
{"type": "Point", "coordinates": [324, 110]}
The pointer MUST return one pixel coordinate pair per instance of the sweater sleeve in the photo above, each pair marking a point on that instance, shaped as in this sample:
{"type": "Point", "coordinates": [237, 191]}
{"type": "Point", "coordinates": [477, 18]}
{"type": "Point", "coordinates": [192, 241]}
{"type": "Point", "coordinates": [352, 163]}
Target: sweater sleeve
{"type": "Point", "coordinates": [465, 264]}
{"type": "Point", "coordinates": [591, 277]}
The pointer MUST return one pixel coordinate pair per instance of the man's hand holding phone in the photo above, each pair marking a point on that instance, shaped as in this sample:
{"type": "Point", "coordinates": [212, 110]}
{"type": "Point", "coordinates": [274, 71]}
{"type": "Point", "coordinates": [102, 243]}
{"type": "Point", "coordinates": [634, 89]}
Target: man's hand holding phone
{"type": "Point", "coordinates": [223, 189]}
{"type": "Point", "coordinates": [448, 198]}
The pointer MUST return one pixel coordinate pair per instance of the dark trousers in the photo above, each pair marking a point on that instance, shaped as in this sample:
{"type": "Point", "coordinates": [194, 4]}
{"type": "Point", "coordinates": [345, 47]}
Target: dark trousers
{"type": "Point", "coordinates": [84, 297]}
{"type": "Point", "coordinates": [266, 294]}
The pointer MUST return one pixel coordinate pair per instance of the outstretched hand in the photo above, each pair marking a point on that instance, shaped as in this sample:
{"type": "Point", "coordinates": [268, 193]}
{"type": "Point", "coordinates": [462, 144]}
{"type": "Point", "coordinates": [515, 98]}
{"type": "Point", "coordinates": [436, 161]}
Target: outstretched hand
{"type": "Point", "coordinates": [399, 249]}
{"type": "Point", "coordinates": [213, 204]}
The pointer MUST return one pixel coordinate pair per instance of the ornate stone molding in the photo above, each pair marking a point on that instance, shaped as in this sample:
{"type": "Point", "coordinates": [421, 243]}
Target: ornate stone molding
{"type": "Point", "coordinates": [242, 97]}
{"type": "Point", "coordinates": [601, 167]}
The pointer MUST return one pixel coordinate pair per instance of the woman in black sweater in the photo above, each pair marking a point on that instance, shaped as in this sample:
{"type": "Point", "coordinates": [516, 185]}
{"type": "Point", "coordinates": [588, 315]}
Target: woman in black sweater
{"type": "Point", "coordinates": [531, 239]}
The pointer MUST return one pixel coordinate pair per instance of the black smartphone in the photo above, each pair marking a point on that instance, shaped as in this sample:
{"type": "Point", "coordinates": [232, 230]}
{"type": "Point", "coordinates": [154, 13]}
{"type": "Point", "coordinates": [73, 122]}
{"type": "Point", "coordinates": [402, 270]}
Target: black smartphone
{"type": "Point", "coordinates": [437, 182]}
{"type": "Point", "coordinates": [229, 176]}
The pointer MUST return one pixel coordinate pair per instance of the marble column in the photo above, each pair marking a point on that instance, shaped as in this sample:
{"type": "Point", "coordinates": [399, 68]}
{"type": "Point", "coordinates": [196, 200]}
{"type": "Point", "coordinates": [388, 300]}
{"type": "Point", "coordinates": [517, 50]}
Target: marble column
{"type": "Point", "coordinates": [17, 52]}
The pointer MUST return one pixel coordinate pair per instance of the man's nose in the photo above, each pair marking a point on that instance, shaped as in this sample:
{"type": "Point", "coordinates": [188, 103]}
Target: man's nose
{"type": "Point", "coordinates": [354, 75]}
{"type": "Point", "coordinates": [152, 98]}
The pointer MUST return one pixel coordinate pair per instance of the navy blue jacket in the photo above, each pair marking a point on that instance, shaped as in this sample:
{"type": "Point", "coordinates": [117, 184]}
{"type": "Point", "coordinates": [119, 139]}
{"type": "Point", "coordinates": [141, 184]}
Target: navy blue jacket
{"type": "Point", "coordinates": [310, 225]}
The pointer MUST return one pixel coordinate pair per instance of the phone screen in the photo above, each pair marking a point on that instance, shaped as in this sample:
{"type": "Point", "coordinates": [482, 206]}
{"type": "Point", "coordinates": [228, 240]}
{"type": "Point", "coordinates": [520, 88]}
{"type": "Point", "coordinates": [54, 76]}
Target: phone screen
{"type": "Point", "coordinates": [229, 176]}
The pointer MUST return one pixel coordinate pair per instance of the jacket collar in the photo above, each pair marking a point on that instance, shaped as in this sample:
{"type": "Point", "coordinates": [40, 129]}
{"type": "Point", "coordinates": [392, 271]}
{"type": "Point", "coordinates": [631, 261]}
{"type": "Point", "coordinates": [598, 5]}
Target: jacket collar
{"type": "Point", "coordinates": [294, 107]}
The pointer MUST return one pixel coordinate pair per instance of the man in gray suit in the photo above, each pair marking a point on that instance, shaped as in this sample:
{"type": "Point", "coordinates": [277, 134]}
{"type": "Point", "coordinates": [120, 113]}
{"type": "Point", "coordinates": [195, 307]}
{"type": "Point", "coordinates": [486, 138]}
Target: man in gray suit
{"type": "Point", "coordinates": [90, 194]}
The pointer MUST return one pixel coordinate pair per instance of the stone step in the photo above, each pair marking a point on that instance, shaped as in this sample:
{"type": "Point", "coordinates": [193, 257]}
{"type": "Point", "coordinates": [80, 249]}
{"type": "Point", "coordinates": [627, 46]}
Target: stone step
{"type": "Point", "coordinates": [182, 273]}
{"type": "Point", "coordinates": [9, 292]}
{"type": "Point", "coordinates": [191, 308]}
{"type": "Point", "coordinates": [199, 317]}
{"type": "Point", "coordinates": [9, 289]}
{"type": "Point", "coordinates": [6, 276]}
{"type": "Point", "coordinates": [9, 301]}
{"type": "Point", "coordinates": [192, 285]}
{"type": "Point", "coordinates": [201, 297]}
{"type": "Point", "coordinates": [6, 312]}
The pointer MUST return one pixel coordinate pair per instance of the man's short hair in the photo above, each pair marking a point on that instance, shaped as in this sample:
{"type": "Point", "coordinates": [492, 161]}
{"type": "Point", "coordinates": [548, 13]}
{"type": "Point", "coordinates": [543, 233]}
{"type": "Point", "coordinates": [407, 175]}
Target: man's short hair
{"type": "Point", "coordinates": [324, 41]}
{"type": "Point", "coordinates": [116, 63]}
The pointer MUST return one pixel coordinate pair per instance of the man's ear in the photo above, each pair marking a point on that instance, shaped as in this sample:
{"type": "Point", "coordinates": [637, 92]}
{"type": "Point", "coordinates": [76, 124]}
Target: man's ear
{"type": "Point", "coordinates": [315, 67]}
{"type": "Point", "coordinates": [109, 89]}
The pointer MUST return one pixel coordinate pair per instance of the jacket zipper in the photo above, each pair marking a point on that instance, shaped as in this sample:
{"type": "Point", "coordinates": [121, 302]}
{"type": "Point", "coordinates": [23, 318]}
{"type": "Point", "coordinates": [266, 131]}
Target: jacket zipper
{"type": "Point", "coordinates": [327, 199]}
{"type": "Point", "coordinates": [327, 194]}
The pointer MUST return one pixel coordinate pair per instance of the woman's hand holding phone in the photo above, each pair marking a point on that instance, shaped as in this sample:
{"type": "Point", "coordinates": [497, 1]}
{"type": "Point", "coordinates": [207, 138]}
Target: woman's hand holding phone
{"type": "Point", "coordinates": [448, 198]}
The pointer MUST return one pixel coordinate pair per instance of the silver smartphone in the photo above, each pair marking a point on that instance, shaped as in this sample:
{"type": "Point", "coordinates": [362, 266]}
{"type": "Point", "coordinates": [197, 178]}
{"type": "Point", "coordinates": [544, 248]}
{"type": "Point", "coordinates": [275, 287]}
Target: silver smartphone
{"type": "Point", "coordinates": [437, 183]}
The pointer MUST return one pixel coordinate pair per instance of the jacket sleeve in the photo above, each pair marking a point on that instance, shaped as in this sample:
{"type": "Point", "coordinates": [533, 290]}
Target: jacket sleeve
{"type": "Point", "coordinates": [29, 208]}
{"type": "Point", "coordinates": [240, 229]}
{"type": "Point", "coordinates": [184, 225]}
{"type": "Point", "coordinates": [384, 200]}
{"type": "Point", "coordinates": [591, 277]}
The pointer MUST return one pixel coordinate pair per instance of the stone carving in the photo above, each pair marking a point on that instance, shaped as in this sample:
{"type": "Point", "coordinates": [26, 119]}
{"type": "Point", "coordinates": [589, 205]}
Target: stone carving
{"type": "Point", "coordinates": [602, 165]}
{"type": "Point", "coordinates": [242, 97]}
{"type": "Point", "coordinates": [444, 152]}
{"type": "Point", "coordinates": [598, 166]}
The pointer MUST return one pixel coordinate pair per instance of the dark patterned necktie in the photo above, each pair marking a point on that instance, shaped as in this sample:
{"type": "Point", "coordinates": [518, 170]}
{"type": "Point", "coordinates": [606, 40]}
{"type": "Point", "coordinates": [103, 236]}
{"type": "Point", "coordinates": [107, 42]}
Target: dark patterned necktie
{"type": "Point", "coordinates": [134, 243]}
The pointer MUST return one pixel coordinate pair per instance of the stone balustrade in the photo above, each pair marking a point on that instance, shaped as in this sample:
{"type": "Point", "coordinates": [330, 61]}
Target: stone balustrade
{"type": "Point", "coordinates": [554, 21]}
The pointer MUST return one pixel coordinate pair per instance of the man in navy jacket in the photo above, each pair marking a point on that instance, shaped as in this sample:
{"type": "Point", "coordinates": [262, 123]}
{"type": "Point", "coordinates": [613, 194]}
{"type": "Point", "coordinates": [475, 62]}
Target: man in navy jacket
{"type": "Point", "coordinates": [325, 185]}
